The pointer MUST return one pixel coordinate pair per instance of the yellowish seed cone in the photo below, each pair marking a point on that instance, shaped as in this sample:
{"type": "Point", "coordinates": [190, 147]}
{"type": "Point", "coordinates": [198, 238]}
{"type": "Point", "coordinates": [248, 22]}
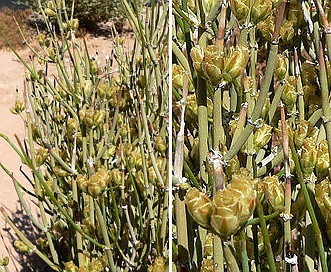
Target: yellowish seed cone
{"type": "Point", "coordinates": [267, 27]}
{"type": "Point", "coordinates": [98, 182]}
{"type": "Point", "coordinates": [213, 64]}
{"type": "Point", "coordinates": [158, 265]}
{"type": "Point", "coordinates": [323, 200]}
{"type": "Point", "coordinates": [234, 205]}
{"type": "Point", "coordinates": [303, 130]}
{"type": "Point", "coordinates": [41, 156]}
{"type": "Point", "coordinates": [240, 9]}
{"type": "Point", "coordinates": [82, 182]}
{"type": "Point", "coordinates": [273, 189]}
{"type": "Point", "coordinates": [70, 267]}
{"type": "Point", "coordinates": [59, 171]}
{"type": "Point", "coordinates": [261, 137]}
{"type": "Point", "coordinates": [287, 32]}
{"type": "Point", "coordinates": [235, 63]}
{"type": "Point", "coordinates": [4, 261]}
{"type": "Point", "coordinates": [323, 160]}
{"type": "Point", "coordinates": [260, 10]}
{"type": "Point", "coordinates": [308, 156]}
{"type": "Point", "coordinates": [197, 57]}
{"type": "Point", "coordinates": [207, 264]}
{"type": "Point", "coordinates": [177, 76]}
{"type": "Point", "coordinates": [290, 94]}
{"type": "Point", "coordinates": [21, 246]}
{"type": "Point", "coordinates": [281, 66]}
{"type": "Point", "coordinates": [224, 225]}
{"type": "Point", "coordinates": [199, 206]}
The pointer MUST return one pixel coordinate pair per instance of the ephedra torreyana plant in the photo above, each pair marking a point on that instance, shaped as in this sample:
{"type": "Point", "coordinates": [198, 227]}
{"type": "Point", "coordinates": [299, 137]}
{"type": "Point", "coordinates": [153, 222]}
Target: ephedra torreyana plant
{"type": "Point", "coordinates": [96, 145]}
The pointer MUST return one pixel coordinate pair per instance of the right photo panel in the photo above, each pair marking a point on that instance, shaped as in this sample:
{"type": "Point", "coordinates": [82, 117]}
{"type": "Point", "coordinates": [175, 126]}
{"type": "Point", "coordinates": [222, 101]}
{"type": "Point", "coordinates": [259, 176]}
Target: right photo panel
{"type": "Point", "coordinates": [251, 135]}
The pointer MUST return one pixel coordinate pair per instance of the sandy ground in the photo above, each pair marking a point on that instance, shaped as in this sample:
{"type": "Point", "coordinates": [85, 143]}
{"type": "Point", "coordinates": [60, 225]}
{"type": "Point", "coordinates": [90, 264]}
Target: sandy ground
{"type": "Point", "coordinates": [11, 72]}
{"type": "Point", "coordinates": [11, 78]}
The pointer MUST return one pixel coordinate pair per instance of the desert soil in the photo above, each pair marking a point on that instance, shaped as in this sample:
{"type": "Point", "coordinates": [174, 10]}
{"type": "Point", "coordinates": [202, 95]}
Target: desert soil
{"type": "Point", "coordinates": [11, 79]}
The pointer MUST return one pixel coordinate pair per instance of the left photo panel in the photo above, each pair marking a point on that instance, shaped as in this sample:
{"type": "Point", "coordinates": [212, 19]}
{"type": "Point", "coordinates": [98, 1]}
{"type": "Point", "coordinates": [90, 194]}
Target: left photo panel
{"type": "Point", "coordinates": [84, 136]}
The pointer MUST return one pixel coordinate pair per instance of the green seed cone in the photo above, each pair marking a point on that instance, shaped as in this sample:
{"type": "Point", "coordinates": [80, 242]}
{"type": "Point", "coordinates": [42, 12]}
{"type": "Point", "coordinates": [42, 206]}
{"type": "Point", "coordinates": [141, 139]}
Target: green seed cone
{"type": "Point", "coordinates": [21, 246]}
{"type": "Point", "coordinates": [232, 166]}
{"type": "Point", "coordinates": [18, 108]}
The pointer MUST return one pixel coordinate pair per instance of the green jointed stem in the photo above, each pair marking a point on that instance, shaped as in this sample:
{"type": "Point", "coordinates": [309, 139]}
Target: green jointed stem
{"type": "Point", "coordinates": [164, 219]}
{"type": "Point", "coordinates": [325, 97]}
{"type": "Point", "coordinates": [181, 229]}
{"type": "Point", "coordinates": [243, 251]}
{"type": "Point", "coordinates": [218, 254]}
{"type": "Point", "coordinates": [203, 127]}
{"type": "Point", "coordinates": [276, 99]}
{"type": "Point", "coordinates": [310, 208]}
{"type": "Point", "coordinates": [179, 205]}
{"type": "Point", "coordinates": [259, 103]}
{"type": "Point", "coordinates": [266, 240]}
{"type": "Point", "coordinates": [218, 132]}
{"type": "Point", "coordinates": [149, 143]}
{"type": "Point", "coordinates": [230, 258]}
{"type": "Point", "coordinates": [180, 56]}
{"type": "Point", "coordinates": [301, 103]}
{"type": "Point", "coordinates": [37, 181]}
{"type": "Point", "coordinates": [105, 235]}
{"type": "Point", "coordinates": [147, 185]}
{"type": "Point", "coordinates": [32, 247]}
{"type": "Point", "coordinates": [326, 26]}
{"type": "Point", "coordinates": [268, 77]}
{"type": "Point", "coordinates": [288, 197]}
{"type": "Point", "coordinates": [268, 217]}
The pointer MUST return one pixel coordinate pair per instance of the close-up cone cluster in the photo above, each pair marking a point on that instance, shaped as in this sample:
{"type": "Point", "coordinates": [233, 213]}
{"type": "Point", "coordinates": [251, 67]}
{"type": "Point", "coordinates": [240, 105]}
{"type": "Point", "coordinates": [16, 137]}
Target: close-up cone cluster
{"type": "Point", "coordinates": [234, 205]}
{"type": "Point", "coordinates": [212, 64]}
{"type": "Point", "coordinates": [255, 138]}
{"type": "Point", "coordinates": [229, 209]}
